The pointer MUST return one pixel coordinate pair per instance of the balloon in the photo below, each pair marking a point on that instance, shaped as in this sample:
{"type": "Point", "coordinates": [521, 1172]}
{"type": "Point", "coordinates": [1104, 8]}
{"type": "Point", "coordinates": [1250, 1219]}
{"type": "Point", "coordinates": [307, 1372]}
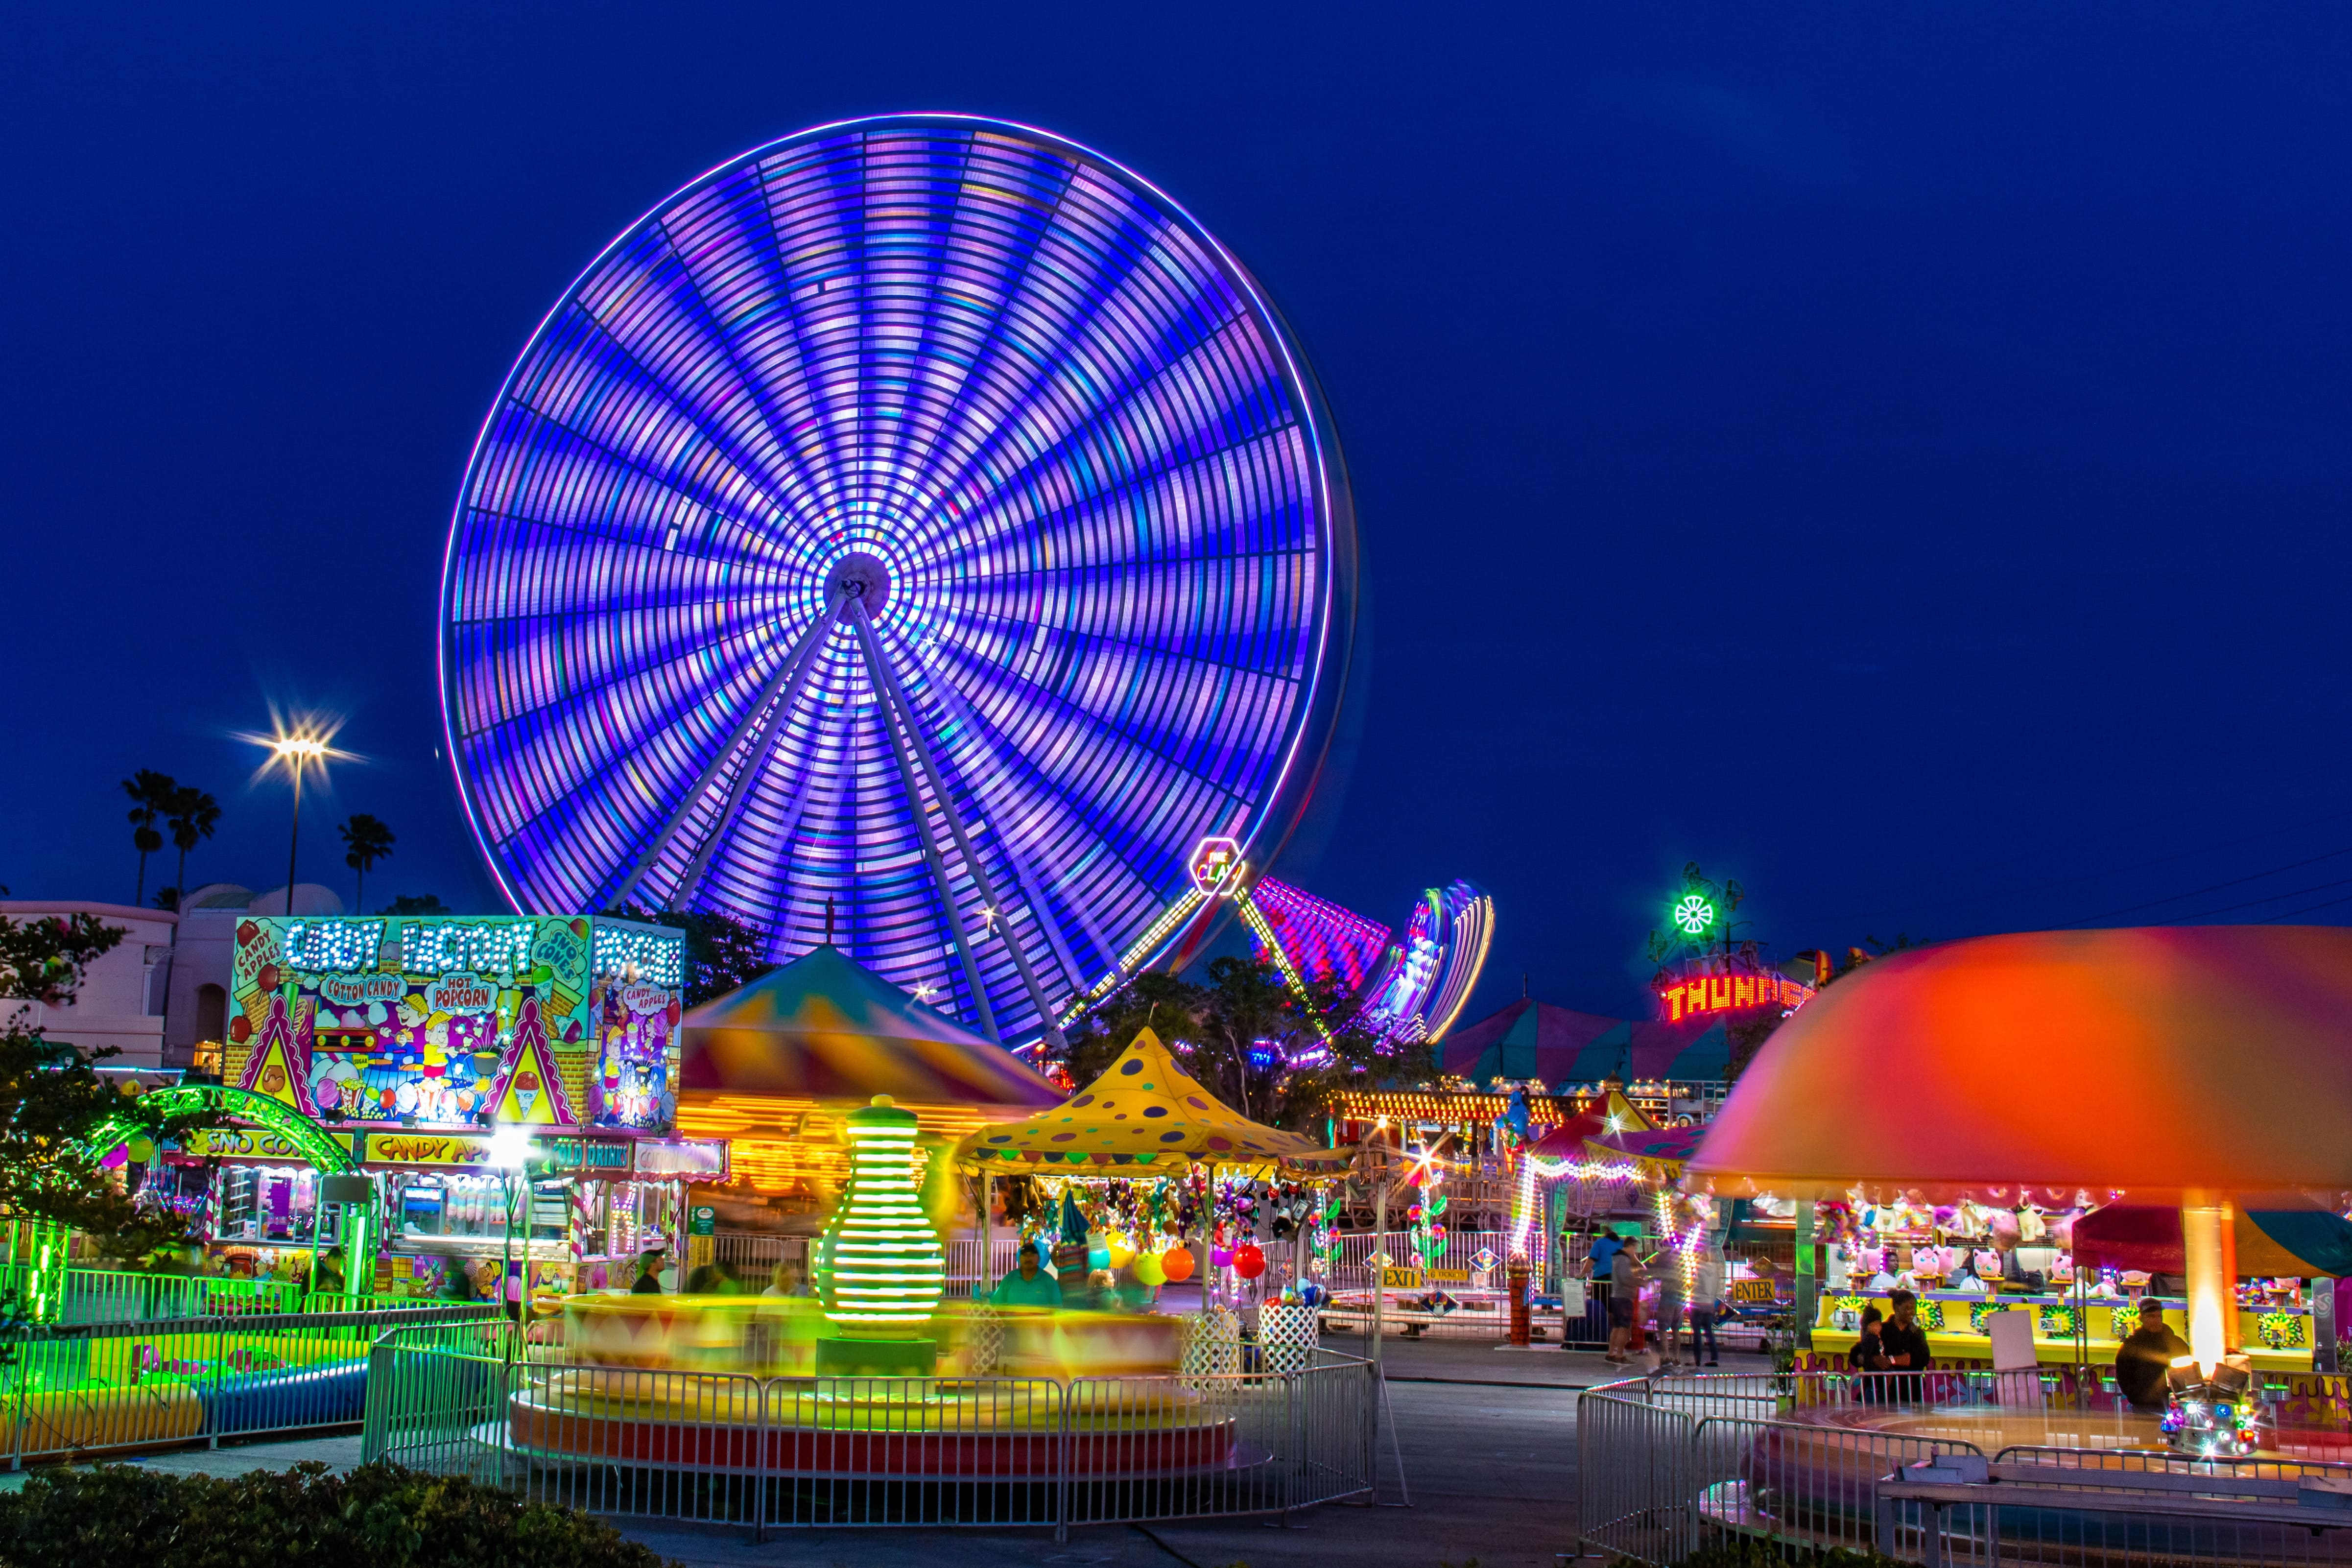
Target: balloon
{"type": "Point", "coordinates": [1248, 1262]}
{"type": "Point", "coordinates": [1121, 1255]}
{"type": "Point", "coordinates": [1097, 1258]}
{"type": "Point", "coordinates": [1220, 1257]}
{"type": "Point", "coordinates": [1177, 1263]}
{"type": "Point", "coordinates": [1147, 1271]}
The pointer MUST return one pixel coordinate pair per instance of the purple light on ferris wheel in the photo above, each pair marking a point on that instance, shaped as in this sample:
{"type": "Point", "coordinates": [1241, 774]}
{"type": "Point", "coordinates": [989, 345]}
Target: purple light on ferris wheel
{"type": "Point", "coordinates": [922, 518]}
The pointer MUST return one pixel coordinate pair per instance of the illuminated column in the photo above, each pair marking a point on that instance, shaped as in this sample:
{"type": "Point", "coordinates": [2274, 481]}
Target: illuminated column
{"type": "Point", "coordinates": [2208, 1237]}
{"type": "Point", "coordinates": [887, 1271]}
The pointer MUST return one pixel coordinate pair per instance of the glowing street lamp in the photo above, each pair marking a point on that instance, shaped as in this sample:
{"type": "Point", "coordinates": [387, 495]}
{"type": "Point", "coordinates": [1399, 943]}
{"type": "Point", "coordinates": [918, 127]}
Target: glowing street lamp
{"type": "Point", "coordinates": [302, 749]}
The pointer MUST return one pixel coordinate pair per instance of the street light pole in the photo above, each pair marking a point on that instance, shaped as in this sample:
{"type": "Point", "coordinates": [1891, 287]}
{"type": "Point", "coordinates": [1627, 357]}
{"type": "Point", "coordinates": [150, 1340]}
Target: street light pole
{"type": "Point", "coordinates": [296, 751]}
{"type": "Point", "coordinates": [294, 837]}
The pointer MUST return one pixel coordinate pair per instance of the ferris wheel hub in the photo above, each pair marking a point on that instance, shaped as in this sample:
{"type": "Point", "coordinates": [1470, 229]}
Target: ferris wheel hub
{"type": "Point", "coordinates": [861, 577]}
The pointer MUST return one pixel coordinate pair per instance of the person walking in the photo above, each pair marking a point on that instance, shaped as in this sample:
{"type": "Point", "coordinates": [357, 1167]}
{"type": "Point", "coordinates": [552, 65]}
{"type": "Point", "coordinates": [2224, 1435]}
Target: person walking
{"type": "Point", "coordinates": [1706, 1305]}
{"type": "Point", "coordinates": [1624, 1295]}
{"type": "Point", "coordinates": [1670, 1311]}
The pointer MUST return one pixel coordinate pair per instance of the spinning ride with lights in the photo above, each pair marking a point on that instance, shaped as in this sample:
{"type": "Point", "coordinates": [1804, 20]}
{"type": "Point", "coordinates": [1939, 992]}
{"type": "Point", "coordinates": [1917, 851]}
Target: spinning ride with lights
{"type": "Point", "coordinates": [1407, 987]}
{"type": "Point", "coordinates": [921, 516]}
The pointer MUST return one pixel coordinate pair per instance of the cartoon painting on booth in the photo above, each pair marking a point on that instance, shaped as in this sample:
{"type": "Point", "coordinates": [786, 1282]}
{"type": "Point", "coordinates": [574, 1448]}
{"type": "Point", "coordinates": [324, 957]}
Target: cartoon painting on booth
{"type": "Point", "coordinates": [441, 1022]}
{"type": "Point", "coordinates": [629, 1084]}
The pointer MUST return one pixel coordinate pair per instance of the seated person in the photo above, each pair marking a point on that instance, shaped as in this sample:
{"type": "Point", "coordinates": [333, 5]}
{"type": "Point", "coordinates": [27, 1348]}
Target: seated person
{"type": "Point", "coordinates": [789, 1278]}
{"type": "Point", "coordinates": [1966, 1282]}
{"type": "Point", "coordinates": [649, 1267]}
{"type": "Point", "coordinates": [1027, 1285]}
{"type": "Point", "coordinates": [2144, 1358]}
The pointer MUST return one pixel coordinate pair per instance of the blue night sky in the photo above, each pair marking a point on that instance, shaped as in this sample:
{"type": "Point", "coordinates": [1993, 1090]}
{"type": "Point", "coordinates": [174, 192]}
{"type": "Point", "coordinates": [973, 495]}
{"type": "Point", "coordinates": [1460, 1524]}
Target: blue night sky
{"type": "Point", "coordinates": [1896, 460]}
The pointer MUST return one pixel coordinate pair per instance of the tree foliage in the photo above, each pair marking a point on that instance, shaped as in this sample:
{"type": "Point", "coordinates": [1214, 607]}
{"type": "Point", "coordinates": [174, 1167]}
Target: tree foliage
{"type": "Point", "coordinates": [1249, 1040]}
{"type": "Point", "coordinates": [151, 795]}
{"type": "Point", "coordinates": [366, 840]}
{"type": "Point", "coordinates": [191, 815]}
{"type": "Point", "coordinates": [417, 905]}
{"type": "Point", "coordinates": [52, 1097]}
{"type": "Point", "coordinates": [722, 954]}
{"type": "Point", "coordinates": [42, 958]}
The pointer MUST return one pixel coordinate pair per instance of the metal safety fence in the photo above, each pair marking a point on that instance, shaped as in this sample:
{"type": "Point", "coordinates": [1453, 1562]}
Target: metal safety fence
{"type": "Point", "coordinates": [765, 1452]}
{"type": "Point", "coordinates": [123, 1295]}
{"type": "Point", "coordinates": [71, 1391]}
{"type": "Point", "coordinates": [1810, 1463]}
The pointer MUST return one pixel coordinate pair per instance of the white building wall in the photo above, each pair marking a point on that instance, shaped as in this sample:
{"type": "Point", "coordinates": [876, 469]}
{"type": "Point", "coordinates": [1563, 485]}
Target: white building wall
{"type": "Point", "coordinates": [120, 1001]}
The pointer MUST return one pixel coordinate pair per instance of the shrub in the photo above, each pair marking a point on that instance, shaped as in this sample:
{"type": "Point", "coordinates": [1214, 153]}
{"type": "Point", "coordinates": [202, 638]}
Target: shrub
{"type": "Point", "coordinates": [378, 1516]}
{"type": "Point", "coordinates": [1748, 1552]}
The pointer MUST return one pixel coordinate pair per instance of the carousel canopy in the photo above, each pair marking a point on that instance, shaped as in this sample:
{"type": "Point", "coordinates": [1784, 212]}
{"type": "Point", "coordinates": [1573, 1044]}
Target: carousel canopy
{"type": "Point", "coordinates": [1615, 1113]}
{"type": "Point", "coordinates": [1535, 1040]}
{"type": "Point", "coordinates": [822, 1027]}
{"type": "Point", "coordinates": [1661, 1153]}
{"type": "Point", "coordinates": [2076, 1066]}
{"type": "Point", "coordinates": [1143, 1110]}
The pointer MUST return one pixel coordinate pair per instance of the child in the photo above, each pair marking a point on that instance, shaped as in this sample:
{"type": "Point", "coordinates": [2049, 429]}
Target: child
{"type": "Point", "coordinates": [1868, 1356]}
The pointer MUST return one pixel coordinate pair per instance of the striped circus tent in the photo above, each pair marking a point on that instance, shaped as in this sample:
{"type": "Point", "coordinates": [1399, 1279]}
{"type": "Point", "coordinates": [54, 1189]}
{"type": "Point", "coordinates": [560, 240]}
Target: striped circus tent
{"type": "Point", "coordinates": [1529, 1039]}
{"type": "Point", "coordinates": [825, 1028]}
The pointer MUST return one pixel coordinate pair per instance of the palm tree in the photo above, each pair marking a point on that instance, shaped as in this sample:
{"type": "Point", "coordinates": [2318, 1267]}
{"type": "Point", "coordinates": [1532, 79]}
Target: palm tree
{"type": "Point", "coordinates": [191, 814]}
{"type": "Point", "coordinates": [149, 793]}
{"type": "Point", "coordinates": [367, 841]}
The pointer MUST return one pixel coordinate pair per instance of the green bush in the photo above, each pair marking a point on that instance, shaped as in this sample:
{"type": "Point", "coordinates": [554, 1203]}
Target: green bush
{"type": "Point", "coordinates": [378, 1516]}
{"type": "Point", "coordinates": [1749, 1551]}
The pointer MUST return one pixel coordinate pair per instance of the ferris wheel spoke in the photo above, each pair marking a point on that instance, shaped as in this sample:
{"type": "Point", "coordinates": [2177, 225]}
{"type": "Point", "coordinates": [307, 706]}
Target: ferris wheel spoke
{"type": "Point", "coordinates": [930, 317]}
{"type": "Point", "coordinates": [743, 289]}
{"type": "Point", "coordinates": [617, 416]}
{"type": "Point", "coordinates": [694, 398]}
{"type": "Point", "coordinates": [774, 700]}
{"type": "Point", "coordinates": [919, 818]}
{"type": "Point", "coordinates": [576, 524]}
{"type": "Point", "coordinates": [990, 777]}
{"type": "Point", "coordinates": [1111, 786]}
{"type": "Point", "coordinates": [1165, 409]}
{"type": "Point", "coordinates": [1050, 360]}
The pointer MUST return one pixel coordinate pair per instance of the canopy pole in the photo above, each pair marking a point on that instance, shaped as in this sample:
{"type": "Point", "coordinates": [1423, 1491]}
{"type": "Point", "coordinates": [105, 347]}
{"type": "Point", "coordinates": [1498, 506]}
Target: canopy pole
{"type": "Point", "coordinates": [1208, 1229]}
{"type": "Point", "coordinates": [987, 1235]}
{"type": "Point", "coordinates": [2209, 1226]}
{"type": "Point", "coordinates": [1380, 1247]}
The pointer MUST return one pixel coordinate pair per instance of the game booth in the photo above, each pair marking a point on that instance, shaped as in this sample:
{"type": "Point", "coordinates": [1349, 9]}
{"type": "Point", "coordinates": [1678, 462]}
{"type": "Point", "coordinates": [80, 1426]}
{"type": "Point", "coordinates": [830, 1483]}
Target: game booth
{"type": "Point", "coordinates": [373, 1063]}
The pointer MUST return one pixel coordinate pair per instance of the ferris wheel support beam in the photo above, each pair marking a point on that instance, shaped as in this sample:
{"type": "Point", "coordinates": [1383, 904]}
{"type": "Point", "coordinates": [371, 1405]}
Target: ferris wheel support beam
{"type": "Point", "coordinates": [888, 683]}
{"type": "Point", "coordinates": [761, 717]}
{"type": "Point", "coordinates": [908, 778]}
{"type": "Point", "coordinates": [1023, 872]}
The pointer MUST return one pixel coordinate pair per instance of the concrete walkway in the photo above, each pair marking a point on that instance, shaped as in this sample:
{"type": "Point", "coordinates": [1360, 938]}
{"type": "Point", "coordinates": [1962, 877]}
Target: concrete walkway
{"type": "Point", "coordinates": [1487, 1437]}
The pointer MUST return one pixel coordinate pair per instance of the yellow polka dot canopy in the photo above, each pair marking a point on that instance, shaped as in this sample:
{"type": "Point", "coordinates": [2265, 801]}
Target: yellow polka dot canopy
{"type": "Point", "coordinates": [1144, 1112]}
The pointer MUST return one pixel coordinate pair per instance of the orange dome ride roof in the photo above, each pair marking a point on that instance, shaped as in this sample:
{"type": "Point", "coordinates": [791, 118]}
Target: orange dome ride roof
{"type": "Point", "coordinates": [2148, 1062]}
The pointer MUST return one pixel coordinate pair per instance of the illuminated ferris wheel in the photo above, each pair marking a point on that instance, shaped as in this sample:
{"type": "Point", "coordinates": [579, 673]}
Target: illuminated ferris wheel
{"type": "Point", "coordinates": [920, 528]}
